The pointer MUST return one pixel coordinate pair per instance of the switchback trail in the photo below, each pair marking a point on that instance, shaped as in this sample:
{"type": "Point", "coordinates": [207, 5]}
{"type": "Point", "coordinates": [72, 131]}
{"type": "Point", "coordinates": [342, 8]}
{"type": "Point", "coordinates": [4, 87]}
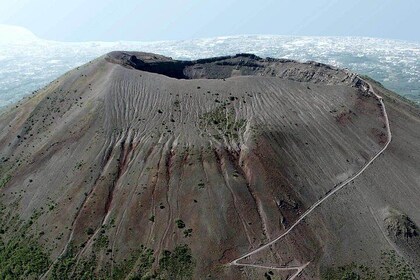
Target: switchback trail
{"type": "Point", "coordinates": [299, 269]}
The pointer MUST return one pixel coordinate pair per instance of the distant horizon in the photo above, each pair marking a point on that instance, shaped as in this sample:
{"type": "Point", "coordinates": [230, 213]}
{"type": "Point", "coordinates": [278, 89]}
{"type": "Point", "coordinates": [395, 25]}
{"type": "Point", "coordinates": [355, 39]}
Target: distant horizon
{"type": "Point", "coordinates": [202, 38]}
{"type": "Point", "coordinates": [392, 62]}
{"type": "Point", "coordinates": [164, 20]}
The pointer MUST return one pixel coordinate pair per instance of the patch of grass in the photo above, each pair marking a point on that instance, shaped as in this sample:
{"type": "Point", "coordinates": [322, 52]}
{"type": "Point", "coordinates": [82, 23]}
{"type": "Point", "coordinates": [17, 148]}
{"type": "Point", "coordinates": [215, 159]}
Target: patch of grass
{"type": "Point", "coordinates": [395, 267]}
{"type": "Point", "coordinates": [392, 267]}
{"type": "Point", "coordinates": [65, 267]}
{"type": "Point", "coordinates": [22, 258]}
{"type": "Point", "coordinates": [175, 265]}
{"type": "Point", "coordinates": [223, 120]}
{"type": "Point", "coordinates": [4, 180]}
{"type": "Point", "coordinates": [352, 271]}
{"type": "Point", "coordinates": [101, 242]}
{"type": "Point", "coordinates": [178, 264]}
{"type": "Point", "coordinates": [144, 258]}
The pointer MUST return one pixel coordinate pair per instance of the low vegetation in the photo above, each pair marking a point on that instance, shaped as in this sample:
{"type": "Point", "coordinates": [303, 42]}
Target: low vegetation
{"type": "Point", "coordinates": [101, 241]}
{"type": "Point", "coordinates": [180, 223]}
{"type": "Point", "coordinates": [223, 120]}
{"type": "Point", "coordinates": [139, 266]}
{"type": "Point", "coordinates": [4, 180]}
{"type": "Point", "coordinates": [392, 267]}
{"type": "Point", "coordinates": [395, 267]}
{"type": "Point", "coordinates": [67, 267]}
{"type": "Point", "coordinates": [349, 272]}
{"type": "Point", "coordinates": [178, 264]}
{"type": "Point", "coordinates": [21, 256]}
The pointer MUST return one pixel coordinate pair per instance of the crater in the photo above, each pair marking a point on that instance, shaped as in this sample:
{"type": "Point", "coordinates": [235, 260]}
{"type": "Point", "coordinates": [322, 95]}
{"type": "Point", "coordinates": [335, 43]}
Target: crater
{"type": "Point", "coordinates": [210, 68]}
{"type": "Point", "coordinates": [242, 64]}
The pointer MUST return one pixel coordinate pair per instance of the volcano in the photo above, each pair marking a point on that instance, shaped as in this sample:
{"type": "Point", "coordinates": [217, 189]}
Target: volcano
{"type": "Point", "coordinates": [138, 166]}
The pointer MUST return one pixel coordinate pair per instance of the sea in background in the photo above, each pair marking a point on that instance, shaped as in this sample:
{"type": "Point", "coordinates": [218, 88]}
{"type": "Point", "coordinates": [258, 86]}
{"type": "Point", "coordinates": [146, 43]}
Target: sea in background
{"type": "Point", "coordinates": [27, 65]}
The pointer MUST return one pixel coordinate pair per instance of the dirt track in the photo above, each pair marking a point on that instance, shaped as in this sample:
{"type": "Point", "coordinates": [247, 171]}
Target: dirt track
{"type": "Point", "coordinates": [299, 269]}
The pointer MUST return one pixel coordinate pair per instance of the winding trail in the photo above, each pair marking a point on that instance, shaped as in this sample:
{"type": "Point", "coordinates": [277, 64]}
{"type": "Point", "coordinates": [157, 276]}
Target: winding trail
{"type": "Point", "coordinates": [338, 187]}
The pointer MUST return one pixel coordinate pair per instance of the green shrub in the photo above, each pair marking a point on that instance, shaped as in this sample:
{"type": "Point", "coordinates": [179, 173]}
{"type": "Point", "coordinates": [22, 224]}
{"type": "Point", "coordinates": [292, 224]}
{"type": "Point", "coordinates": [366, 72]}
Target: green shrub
{"type": "Point", "coordinates": [4, 180]}
{"type": "Point", "coordinates": [144, 258]}
{"type": "Point", "coordinates": [392, 267]}
{"type": "Point", "coordinates": [178, 264]}
{"type": "Point", "coordinates": [180, 223]}
{"type": "Point", "coordinates": [22, 258]}
{"type": "Point", "coordinates": [223, 121]}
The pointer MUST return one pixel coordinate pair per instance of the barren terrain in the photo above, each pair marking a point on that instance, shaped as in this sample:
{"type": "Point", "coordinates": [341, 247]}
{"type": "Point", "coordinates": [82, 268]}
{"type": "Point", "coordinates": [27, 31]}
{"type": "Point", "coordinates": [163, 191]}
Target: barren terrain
{"type": "Point", "coordinates": [137, 165]}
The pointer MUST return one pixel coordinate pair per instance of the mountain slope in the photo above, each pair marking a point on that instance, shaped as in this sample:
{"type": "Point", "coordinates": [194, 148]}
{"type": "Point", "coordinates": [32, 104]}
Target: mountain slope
{"type": "Point", "coordinates": [138, 165]}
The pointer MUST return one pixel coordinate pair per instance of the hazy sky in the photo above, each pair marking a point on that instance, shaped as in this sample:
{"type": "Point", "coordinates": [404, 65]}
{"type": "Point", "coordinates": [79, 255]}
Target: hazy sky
{"type": "Point", "coordinates": [111, 20]}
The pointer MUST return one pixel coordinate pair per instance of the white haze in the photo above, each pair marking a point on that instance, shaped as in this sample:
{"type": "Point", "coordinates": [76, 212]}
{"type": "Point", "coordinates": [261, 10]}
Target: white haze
{"type": "Point", "coordinates": [28, 63]}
